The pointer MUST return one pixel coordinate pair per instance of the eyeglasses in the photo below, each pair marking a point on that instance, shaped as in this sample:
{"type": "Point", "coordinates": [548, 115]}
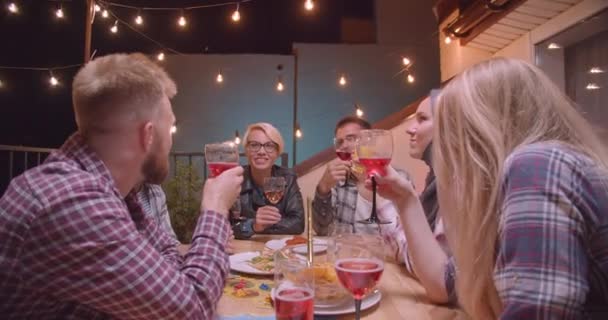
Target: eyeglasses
{"type": "Point", "coordinates": [351, 139]}
{"type": "Point", "coordinates": [268, 146]}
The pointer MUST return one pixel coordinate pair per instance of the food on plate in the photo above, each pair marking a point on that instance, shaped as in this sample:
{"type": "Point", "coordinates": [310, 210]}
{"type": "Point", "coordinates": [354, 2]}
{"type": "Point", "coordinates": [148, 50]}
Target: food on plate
{"type": "Point", "coordinates": [328, 289]}
{"type": "Point", "coordinates": [296, 240]}
{"type": "Point", "coordinates": [263, 262]}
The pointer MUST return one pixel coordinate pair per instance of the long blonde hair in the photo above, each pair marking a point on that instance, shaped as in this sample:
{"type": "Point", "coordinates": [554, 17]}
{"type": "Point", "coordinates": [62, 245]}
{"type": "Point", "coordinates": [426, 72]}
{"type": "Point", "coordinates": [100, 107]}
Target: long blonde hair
{"type": "Point", "coordinates": [483, 115]}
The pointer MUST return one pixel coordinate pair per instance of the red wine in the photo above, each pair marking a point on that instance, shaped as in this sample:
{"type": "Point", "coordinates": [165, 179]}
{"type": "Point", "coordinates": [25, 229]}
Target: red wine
{"type": "Point", "coordinates": [359, 275]}
{"type": "Point", "coordinates": [217, 168]}
{"type": "Point", "coordinates": [274, 196]}
{"type": "Point", "coordinates": [344, 156]}
{"type": "Point", "coordinates": [375, 165]}
{"type": "Point", "coordinates": [294, 304]}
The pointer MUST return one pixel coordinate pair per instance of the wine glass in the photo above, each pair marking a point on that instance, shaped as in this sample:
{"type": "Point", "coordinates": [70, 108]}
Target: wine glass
{"type": "Point", "coordinates": [274, 189]}
{"type": "Point", "coordinates": [221, 157]}
{"type": "Point", "coordinates": [374, 149]}
{"type": "Point", "coordinates": [359, 264]}
{"type": "Point", "coordinates": [294, 286]}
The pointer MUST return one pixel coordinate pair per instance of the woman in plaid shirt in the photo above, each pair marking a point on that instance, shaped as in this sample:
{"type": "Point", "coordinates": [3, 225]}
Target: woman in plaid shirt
{"type": "Point", "coordinates": [529, 229]}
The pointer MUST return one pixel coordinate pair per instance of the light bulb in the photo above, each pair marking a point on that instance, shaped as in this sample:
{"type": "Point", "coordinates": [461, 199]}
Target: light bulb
{"type": "Point", "coordinates": [105, 13]}
{"type": "Point", "coordinates": [237, 140]}
{"type": "Point", "coordinates": [97, 8]}
{"type": "Point", "coordinates": [342, 81]}
{"type": "Point", "coordinates": [596, 70]}
{"type": "Point", "coordinates": [236, 15]}
{"type": "Point", "coordinates": [592, 86]}
{"type": "Point", "coordinates": [1, 84]}
{"type": "Point", "coordinates": [173, 129]}
{"type": "Point", "coordinates": [182, 21]}
{"type": "Point", "coordinates": [139, 20]}
{"type": "Point", "coordinates": [53, 81]}
{"type": "Point", "coordinates": [359, 112]}
{"type": "Point", "coordinates": [410, 78]}
{"type": "Point", "coordinates": [219, 78]}
{"type": "Point", "coordinates": [406, 61]}
{"type": "Point", "coordinates": [12, 7]}
{"type": "Point", "coordinates": [114, 28]}
{"type": "Point", "coordinates": [448, 40]}
{"type": "Point", "coordinates": [59, 13]}
{"type": "Point", "coordinates": [160, 56]}
{"type": "Point", "coordinates": [280, 86]}
{"type": "Point", "coordinates": [298, 133]}
{"type": "Point", "coordinates": [309, 5]}
{"type": "Point", "coordinates": [553, 46]}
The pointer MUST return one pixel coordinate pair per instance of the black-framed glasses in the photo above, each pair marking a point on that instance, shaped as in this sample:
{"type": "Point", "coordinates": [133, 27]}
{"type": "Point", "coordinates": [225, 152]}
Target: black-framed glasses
{"type": "Point", "coordinates": [255, 146]}
{"type": "Point", "coordinates": [351, 139]}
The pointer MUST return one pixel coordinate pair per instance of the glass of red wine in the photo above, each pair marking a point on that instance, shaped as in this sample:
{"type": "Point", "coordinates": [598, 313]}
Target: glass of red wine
{"type": "Point", "coordinates": [294, 287]}
{"type": "Point", "coordinates": [359, 264]}
{"type": "Point", "coordinates": [221, 157]}
{"type": "Point", "coordinates": [274, 189]}
{"type": "Point", "coordinates": [375, 149]}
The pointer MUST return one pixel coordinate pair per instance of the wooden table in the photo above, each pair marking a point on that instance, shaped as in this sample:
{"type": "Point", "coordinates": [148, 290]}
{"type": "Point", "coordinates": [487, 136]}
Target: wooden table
{"type": "Point", "coordinates": [402, 296]}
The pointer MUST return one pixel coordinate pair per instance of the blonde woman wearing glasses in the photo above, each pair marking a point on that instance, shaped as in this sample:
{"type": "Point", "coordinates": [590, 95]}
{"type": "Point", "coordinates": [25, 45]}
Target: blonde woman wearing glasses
{"type": "Point", "coordinates": [263, 146]}
{"type": "Point", "coordinates": [528, 226]}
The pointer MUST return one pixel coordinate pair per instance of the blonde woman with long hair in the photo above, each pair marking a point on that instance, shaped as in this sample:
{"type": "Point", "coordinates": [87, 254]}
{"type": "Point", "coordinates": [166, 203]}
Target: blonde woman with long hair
{"type": "Point", "coordinates": [529, 227]}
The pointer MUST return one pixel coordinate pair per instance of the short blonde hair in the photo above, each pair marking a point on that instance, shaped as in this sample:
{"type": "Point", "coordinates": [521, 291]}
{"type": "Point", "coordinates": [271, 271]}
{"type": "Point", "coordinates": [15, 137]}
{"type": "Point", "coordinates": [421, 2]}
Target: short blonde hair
{"type": "Point", "coordinates": [117, 89]}
{"type": "Point", "coordinates": [270, 131]}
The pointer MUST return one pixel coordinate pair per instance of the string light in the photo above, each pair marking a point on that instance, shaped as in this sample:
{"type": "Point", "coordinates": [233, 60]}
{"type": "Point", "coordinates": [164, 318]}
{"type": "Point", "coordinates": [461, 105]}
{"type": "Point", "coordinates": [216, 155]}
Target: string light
{"type": "Point", "coordinates": [298, 132]}
{"type": "Point", "coordinates": [553, 46]}
{"type": "Point", "coordinates": [237, 138]}
{"type": "Point", "coordinates": [280, 86]}
{"type": "Point", "coordinates": [105, 14]}
{"type": "Point", "coordinates": [406, 61]}
{"type": "Point", "coordinates": [447, 40]}
{"type": "Point", "coordinates": [358, 111]}
{"type": "Point", "coordinates": [182, 20]}
{"type": "Point", "coordinates": [12, 8]}
{"type": "Point", "coordinates": [592, 86]}
{"type": "Point", "coordinates": [410, 78]}
{"type": "Point", "coordinates": [342, 80]}
{"type": "Point", "coordinates": [236, 15]}
{"type": "Point", "coordinates": [173, 129]}
{"type": "Point", "coordinates": [52, 80]}
{"type": "Point", "coordinates": [596, 70]}
{"type": "Point", "coordinates": [309, 5]}
{"type": "Point", "coordinates": [139, 20]}
{"type": "Point", "coordinates": [97, 8]}
{"type": "Point", "coordinates": [160, 56]}
{"type": "Point", "coordinates": [59, 12]}
{"type": "Point", "coordinates": [114, 28]}
{"type": "Point", "coordinates": [220, 77]}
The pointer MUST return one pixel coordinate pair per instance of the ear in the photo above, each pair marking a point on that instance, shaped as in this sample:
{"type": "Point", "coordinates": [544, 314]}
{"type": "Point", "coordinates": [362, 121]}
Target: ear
{"type": "Point", "coordinates": [146, 136]}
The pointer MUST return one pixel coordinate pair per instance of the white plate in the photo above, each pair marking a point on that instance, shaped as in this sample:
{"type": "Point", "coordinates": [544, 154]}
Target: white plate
{"type": "Point", "coordinates": [240, 262]}
{"type": "Point", "coordinates": [349, 305]}
{"type": "Point", "coordinates": [319, 245]}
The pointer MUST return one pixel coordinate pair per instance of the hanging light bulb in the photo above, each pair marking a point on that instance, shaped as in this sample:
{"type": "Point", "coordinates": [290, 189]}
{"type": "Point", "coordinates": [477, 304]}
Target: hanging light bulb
{"type": "Point", "coordinates": [358, 111]}
{"type": "Point", "coordinates": [12, 8]}
{"type": "Point", "coordinates": [592, 86]}
{"type": "Point", "coordinates": [59, 12]}
{"type": "Point", "coordinates": [114, 28]}
{"type": "Point", "coordinates": [298, 132]}
{"type": "Point", "coordinates": [448, 40]}
{"type": "Point", "coordinates": [220, 77]}
{"type": "Point", "coordinates": [173, 129]}
{"type": "Point", "coordinates": [410, 78]}
{"type": "Point", "coordinates": [160, 56]}
{"type": "Point", "coordinates": [406, 61]}
{"type": "Point", "coordinates": [105, 14]}
{"type": "Point", "coordinates": [596, 70]}
{"type": "Point", "coordinates": [280, 86]}
{"type": "Point", "coordinates": [342, 80]}
{"type": "Point", "coordinates": [237, 138]}
{"type": "Point", "coordinates": [139, 20]}
{"type": "Point", "coordinates": [182, 20]}
{"type": "Point", "coordinates": [97, 8]}
{"type": "Point", "coordinates": [236, 15]}
{"type": "Point", "coordinates": [309, 5]}
{"type": "Point", "coordinates": [52, 80]}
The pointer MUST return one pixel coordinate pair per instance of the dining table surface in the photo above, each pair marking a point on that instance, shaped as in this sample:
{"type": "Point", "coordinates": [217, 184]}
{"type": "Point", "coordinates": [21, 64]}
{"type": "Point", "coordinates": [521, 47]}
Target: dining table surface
{"type": "Point", "coordinates": [403, 297]}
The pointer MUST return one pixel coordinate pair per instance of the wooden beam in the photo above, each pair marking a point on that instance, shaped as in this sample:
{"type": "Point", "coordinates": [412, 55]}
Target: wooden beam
{"type": "Point", "coordinates": [490, 20]}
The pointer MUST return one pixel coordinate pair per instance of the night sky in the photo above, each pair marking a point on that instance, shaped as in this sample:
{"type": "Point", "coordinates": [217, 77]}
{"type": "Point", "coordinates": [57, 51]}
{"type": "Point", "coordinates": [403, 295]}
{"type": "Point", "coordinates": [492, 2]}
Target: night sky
{"type": "Point", "coordinates": [32, 113]}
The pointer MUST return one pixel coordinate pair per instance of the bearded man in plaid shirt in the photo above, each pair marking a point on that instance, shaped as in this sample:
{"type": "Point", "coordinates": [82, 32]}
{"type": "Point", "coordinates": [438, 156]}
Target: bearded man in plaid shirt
{"type": "Point", "coordinates": [74, 240]}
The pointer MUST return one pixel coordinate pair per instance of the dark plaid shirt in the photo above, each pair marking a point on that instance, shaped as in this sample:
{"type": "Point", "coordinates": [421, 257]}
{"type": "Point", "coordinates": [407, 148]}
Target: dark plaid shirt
{"type": "Point", "coordinates": [72, 248]}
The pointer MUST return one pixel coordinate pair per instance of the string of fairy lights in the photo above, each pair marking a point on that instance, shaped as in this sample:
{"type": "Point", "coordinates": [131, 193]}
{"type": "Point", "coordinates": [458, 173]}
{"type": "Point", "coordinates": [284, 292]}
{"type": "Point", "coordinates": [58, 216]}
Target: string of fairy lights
{"type": "Point", "coordinates": [105, 12]}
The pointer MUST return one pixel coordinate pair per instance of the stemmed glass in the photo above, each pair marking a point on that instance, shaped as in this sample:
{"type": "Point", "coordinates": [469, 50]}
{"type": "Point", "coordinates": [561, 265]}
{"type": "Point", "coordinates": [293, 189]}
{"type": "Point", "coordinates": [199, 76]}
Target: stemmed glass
{"type": "Point", "coordinates": [374, 149]}
{"type": "Point", "coordinates": [294, 289]}
{"type": "Point", "coordinates": [274, 189]}
{"type": "Point", "coordinates": [221, 157]}
{"type": "Point", "coordinates": [359, 264]}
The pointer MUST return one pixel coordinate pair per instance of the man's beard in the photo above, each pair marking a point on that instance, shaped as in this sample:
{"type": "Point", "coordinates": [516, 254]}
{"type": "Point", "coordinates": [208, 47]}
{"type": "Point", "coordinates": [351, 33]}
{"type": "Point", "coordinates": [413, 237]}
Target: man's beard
{"type": "Point", "coordinates": [156, 166]}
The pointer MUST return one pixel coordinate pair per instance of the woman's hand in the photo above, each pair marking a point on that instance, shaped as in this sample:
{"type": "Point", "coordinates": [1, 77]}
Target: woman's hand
{"type": "Point", "coordinates": [393, 186]}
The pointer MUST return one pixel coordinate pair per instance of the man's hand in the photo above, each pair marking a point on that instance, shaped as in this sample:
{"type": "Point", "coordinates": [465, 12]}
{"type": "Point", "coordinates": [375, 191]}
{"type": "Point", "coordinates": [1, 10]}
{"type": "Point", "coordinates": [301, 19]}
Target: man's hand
{"type": "Point", "coordinates": [337, 170]}
{"type": "Point", "coordinates": [219, 193]}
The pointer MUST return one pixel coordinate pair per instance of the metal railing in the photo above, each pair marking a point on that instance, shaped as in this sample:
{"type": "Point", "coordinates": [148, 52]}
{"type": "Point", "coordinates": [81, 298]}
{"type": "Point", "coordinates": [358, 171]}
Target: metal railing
{"type": "Point", "coordinates": [18, 159]}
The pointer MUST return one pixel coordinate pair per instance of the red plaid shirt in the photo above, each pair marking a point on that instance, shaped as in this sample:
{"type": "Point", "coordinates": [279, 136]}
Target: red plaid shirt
{"type": "Point", "coordinates": [72, 248]}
